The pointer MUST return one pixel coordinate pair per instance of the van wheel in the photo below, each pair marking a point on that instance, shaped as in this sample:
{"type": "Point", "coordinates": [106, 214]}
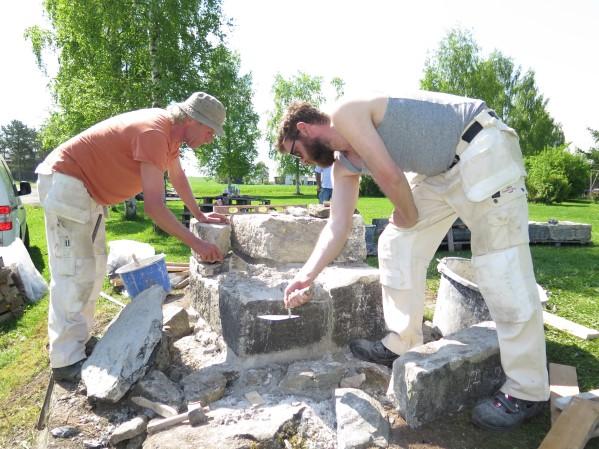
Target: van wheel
{"type": "Point", "coordinates": [25, 238]}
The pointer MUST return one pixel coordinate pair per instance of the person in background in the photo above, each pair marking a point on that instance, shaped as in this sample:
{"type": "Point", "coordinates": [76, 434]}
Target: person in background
{"type": "Point", "coordinates": [324, 183]}
{"type": "Point", "coordinates": [466, 163]}
{"type": "Point", "coordinates": [104, 165]}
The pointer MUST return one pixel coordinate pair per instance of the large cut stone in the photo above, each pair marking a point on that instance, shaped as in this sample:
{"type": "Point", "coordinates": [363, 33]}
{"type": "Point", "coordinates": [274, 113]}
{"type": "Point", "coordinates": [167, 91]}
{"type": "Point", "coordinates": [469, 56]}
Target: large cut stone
{"type": "Point", "coordinates": [282, 238]}
{"type": "Point", "coordinates": [121, 357]}
{"type": "Point", "coordinates": [441, 377]}
{"type": "Point", "coordinates": [218, 234]}
{"type": "Point", "coordinates": [361, 423]}
{"type": "Point", "coordinates": [346, 305]}
{"type": "Point", "coordinates": [559, 232]}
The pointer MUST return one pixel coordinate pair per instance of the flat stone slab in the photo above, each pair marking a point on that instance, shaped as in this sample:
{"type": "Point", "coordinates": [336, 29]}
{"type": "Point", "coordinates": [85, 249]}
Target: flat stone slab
{"type": "Point", "coordinates": [560, 232]}
{"type": "Point", "coordinates": [346, 305]}
{"type": "Point", "coordinates": [441, 377]}
{"type": "Point", "coordinates": [361, 422]}
{"type": "Point", "coordinates": [283, 238]}
{"type": "Point", "coordinates": [121, 357]}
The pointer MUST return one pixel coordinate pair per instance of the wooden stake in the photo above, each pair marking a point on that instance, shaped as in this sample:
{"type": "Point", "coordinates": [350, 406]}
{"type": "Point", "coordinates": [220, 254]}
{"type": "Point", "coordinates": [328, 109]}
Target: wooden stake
{"type": "Point", "coordinates": [563, 382]}
{"type": "Point", "coordinates": [574, 426]}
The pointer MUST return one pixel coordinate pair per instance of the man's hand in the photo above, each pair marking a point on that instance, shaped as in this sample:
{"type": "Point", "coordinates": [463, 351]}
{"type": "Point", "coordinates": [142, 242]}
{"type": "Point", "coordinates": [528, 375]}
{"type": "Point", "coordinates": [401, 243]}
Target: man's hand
{"type": "Point", "coordinates": [214, 217]}
{"type": "Point", "coordinates": [298, 292]}
{"type": "Point", "coordinates": [207, 251]}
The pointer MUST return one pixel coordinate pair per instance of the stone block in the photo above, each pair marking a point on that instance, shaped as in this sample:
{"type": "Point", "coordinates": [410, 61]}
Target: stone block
{"type": "Point", "coordinates": [346, 305]}
{"type": "Point", "coordinates": [281, 238]}
{"type": "Point", "coordinates": [121, 357]}
{"type": "Point", "coordinates": [175, 321]}
{"type": "Point", "coordinates": [218, 234]}
{"type": "Point", "coordinates": [441, 377]}
{"type": "Point", "coordinates": [319, 211]}
{"type": "Point", "coordinates": [559, 232]}
{"type": "Point", "coordinates": [361, 422]}
{"type": "Point", "coordinates": [355, 298]}
{"type": "Point", "coordinates": [242, 297]}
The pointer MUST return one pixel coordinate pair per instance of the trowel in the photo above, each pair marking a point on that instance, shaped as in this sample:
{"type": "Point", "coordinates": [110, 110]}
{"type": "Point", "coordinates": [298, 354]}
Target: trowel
{"type": "Point", "coordinates": [289, 316]}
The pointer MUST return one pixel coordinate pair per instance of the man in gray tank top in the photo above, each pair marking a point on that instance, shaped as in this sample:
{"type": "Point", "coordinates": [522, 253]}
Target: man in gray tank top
{"type": "Point", "coordinates": [465, 162]}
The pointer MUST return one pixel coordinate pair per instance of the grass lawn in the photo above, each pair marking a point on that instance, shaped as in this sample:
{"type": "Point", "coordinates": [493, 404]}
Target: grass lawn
{"type": "Point", "coordinates": [570, 273]}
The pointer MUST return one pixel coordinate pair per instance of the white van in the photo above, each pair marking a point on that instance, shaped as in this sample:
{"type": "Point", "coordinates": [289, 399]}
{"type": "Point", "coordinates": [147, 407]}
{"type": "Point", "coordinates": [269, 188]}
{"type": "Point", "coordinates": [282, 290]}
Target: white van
{"type": "Point", "coordinates": [13, 221]}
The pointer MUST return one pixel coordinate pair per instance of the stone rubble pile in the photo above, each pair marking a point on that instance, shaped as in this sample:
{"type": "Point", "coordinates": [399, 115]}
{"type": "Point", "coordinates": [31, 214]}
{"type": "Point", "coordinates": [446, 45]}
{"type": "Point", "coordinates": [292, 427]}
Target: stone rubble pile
{"type": "Point", "coordinates": [264, 384]}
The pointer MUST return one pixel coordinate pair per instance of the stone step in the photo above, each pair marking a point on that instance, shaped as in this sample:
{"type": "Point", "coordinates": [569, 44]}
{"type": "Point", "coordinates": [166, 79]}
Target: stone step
{"type": "Point", "coordinates": [443, 376]}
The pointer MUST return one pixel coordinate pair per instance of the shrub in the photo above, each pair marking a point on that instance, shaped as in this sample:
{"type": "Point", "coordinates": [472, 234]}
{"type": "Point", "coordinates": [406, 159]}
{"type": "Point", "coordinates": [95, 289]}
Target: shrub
{"type": "Point", "coordinates": [555, 175]}
{"type": "Point", "coordinates": [369, 188]}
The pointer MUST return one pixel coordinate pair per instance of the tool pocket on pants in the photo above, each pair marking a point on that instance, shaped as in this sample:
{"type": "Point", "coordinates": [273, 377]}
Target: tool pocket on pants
{"type": "Point", "coordinates": [395, 258]}
{"type": "Point", "coordinates": [68, 198]}
{"type": "Point", "coordinates": [506, 281]}
{"type": "Point", "coordinates": [492, 161]}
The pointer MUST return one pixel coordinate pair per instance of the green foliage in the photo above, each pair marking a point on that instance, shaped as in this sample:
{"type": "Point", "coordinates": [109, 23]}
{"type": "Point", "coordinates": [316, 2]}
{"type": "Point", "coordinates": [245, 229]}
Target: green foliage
{"type": "Point", "coordinates": [117, 56]}
{"type": "Point", "coordinates": [457, 67]}
{"type": "Point", "coordinates": [555, 175]}
{"type": "Point", "coordinates": [20, 148]}
{"type": "Point", "coordinates": [231, 156]}
{"type": "Point", "coordinates": [258, 174]}
{"type": "Point", "coordinates": [302, 87]}
{"type": "Point", "coordinates": [369, 188]}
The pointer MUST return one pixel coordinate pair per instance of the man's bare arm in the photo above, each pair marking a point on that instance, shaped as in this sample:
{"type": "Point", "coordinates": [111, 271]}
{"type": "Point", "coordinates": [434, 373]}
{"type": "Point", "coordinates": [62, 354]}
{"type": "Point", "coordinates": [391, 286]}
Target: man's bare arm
{"type": "Point", "coordinates": [332, 237]}
{"type": "Point", "coordinates": [154, 207]}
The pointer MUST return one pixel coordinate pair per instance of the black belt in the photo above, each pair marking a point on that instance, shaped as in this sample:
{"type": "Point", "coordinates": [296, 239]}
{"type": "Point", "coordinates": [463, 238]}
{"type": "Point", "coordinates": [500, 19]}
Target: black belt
{"type": "Point", "coordinates": [471, 133]}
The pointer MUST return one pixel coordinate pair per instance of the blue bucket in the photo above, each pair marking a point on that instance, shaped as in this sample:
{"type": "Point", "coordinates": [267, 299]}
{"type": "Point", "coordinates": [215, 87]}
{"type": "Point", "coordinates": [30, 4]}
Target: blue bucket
{"type": "Point", "coordinates": [139, 276]}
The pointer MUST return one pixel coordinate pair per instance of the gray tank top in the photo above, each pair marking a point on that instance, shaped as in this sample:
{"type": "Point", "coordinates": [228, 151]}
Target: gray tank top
{"type": "Point", "coordinates": [421, 132]}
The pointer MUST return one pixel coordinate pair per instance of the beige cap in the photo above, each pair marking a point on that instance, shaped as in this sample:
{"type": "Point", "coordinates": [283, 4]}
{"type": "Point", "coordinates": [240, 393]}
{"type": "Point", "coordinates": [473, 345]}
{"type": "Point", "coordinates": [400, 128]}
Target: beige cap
{"type": "Point", "coordinates": [205, 109]}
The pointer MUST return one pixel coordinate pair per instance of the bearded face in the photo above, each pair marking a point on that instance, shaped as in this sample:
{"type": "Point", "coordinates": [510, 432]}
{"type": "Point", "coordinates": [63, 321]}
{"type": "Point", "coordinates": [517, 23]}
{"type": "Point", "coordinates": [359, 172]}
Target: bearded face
{"type": "Point", "coordinates": [318, 151]}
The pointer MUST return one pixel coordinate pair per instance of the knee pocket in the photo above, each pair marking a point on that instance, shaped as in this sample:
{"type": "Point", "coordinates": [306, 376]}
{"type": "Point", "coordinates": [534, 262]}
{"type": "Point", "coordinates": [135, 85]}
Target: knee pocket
{"type": "Point", "coordinates": [397, 265]}
{"type": "Point", "coordinates": [506, 281]}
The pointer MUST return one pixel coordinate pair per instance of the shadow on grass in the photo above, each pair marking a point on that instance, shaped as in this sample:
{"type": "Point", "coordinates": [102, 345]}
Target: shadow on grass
{"type": "Point", "coordinates": [37, 258]}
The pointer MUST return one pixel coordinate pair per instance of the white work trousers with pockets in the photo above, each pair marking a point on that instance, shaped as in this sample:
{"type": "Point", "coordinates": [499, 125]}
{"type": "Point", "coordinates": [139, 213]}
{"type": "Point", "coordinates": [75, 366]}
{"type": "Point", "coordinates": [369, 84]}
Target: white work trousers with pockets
{"type": "Point", "coordinates": [77, 264]}
{"type": "Point", "coordinates": [502, 264]}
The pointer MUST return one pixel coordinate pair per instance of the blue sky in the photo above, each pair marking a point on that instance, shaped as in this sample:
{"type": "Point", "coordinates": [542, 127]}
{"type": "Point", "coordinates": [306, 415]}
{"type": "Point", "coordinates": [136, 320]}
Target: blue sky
{"type": "Point", "coordinates": [378, 46]}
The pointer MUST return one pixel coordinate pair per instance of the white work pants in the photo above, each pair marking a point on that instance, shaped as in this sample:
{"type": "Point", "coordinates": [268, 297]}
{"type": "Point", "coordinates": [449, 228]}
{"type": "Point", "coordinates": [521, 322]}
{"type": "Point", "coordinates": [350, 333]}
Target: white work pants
{"type": "Point", "coordinates": [503, 267]}
{"type": "Point", "coordinates": [77, 264]}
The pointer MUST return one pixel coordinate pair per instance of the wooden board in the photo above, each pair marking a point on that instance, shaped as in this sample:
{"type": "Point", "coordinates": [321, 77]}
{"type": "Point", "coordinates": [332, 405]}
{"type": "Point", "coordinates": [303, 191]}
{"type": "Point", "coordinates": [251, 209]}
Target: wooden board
{"type": "Point", "coordinates": [570, 327]}
{"type": "Point", "coordinates": [574, 426]}
{"type": "Point", "coordinates": [563, 381]}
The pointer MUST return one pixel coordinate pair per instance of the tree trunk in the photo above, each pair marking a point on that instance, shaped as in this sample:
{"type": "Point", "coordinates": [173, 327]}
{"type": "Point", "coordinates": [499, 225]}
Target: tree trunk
{"type": "Point", "coordinates": [297, 178]}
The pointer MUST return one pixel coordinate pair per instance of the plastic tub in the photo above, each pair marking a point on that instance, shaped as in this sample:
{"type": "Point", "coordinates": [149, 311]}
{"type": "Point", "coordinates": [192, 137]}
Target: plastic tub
{"type": "Point", "coordinates": [140, 275]}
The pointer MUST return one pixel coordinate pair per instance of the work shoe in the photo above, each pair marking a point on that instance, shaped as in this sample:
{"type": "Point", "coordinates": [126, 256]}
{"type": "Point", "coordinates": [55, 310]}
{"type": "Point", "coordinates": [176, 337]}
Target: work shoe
{"type": "Point", "coordinates": [372, 351]}
{"type": "Point", "coordinates": [504, 412]}
{"type": "Point", "coordinates": [70, 373]}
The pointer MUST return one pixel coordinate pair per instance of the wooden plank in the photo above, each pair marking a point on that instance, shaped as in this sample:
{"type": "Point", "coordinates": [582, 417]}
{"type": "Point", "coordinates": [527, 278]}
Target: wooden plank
{"type": "Point", "coordinates": [570, 327]}
{"type": "Point", "coordinates": [563, 382]}
{"type": "Point", "coordinates": [574, 426]}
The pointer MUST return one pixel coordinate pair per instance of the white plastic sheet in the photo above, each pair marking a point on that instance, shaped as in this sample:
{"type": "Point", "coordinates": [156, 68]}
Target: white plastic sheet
{"type": "Point", "coordinates": [33, 282]}
{"type": "Point", "coordinates": [121, 253]}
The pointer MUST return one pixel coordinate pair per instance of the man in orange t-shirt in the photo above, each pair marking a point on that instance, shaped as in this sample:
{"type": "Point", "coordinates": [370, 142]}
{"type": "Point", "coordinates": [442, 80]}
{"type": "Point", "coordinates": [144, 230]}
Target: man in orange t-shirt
{"type": "Point", "coordinates": [107, 164]}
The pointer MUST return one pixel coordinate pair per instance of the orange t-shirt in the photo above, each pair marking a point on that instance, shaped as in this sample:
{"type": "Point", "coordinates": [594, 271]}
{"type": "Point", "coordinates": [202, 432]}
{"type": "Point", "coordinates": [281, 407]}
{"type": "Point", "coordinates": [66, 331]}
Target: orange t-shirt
{"type": "Point", "coordinates": [107, 156]}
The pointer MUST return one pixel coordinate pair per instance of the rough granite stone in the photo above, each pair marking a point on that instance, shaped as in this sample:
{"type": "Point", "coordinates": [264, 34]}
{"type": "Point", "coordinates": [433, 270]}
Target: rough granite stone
{"type": "Point", "coordinates": [361, 423]}
{"type": "Point", "coordinates": [121, 357]}
{"type": "Point", "coordinates": [443, 376]}
{"type": "Point", "coordinates": [281, 238]}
